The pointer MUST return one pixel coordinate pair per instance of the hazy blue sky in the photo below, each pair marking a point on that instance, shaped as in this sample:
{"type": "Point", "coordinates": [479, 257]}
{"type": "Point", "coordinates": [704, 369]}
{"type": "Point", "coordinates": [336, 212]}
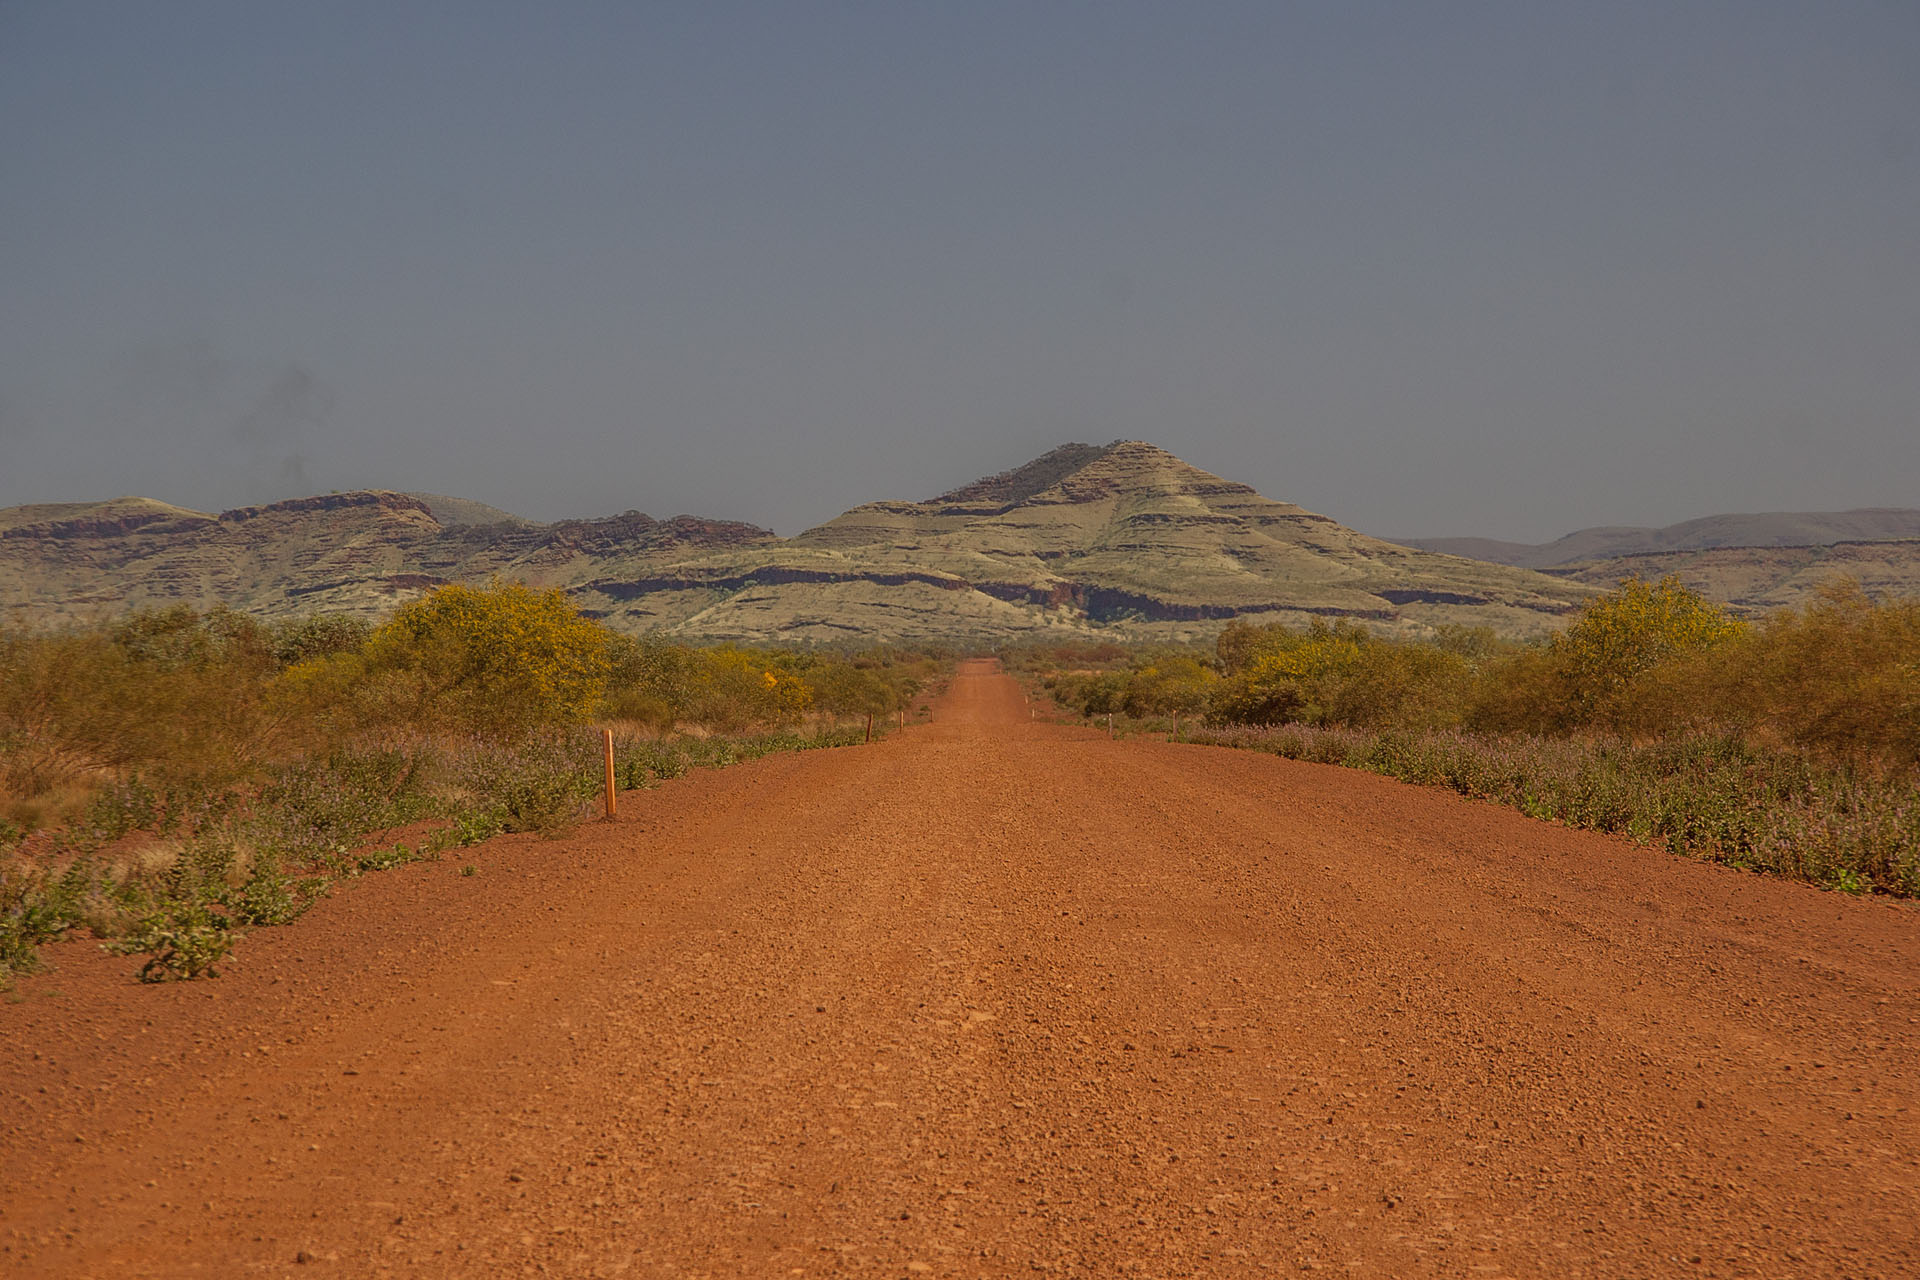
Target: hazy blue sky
{"type": "Point", "coordinates": [1429, 267]}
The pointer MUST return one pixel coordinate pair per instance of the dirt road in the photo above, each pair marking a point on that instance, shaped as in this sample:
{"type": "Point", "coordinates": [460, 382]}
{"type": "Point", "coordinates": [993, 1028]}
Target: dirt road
{"type": "Point", "coordinates": [992, 998]}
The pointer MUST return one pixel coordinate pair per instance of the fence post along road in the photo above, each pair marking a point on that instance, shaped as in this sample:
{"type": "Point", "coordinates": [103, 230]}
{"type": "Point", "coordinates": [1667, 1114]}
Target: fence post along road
{"type": "Point", "coordinates": [606, 742]}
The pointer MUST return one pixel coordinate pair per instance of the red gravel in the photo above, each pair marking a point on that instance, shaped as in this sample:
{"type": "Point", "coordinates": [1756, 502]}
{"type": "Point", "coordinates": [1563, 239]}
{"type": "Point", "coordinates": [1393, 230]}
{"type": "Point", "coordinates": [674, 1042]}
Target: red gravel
{"type": "Point", "coordinates": [989, 998]}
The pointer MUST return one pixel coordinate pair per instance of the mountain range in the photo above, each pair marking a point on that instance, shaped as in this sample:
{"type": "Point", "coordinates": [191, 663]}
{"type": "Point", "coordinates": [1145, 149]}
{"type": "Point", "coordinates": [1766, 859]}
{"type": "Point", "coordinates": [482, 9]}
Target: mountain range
{"type": "Point", "coordinates": [1751, 563]}
{"type": "Point", "coordinates": [1122, 539]}
{"type": "Point", "coordinates": [1764, 529]}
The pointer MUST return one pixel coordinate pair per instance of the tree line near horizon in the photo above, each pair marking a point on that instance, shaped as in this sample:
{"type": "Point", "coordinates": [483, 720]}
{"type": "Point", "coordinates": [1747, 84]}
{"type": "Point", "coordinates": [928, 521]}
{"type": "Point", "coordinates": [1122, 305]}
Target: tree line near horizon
{"type": "Point", "coordinates": [1790, 744]}
{"type": "Point", "coordinates": [173, 775]}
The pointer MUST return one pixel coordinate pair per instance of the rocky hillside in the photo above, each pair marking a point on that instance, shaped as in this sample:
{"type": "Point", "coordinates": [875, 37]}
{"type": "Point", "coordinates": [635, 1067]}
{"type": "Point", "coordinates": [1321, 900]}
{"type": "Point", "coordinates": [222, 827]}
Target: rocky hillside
{"type": "Point", "coordinates": [1767, 529]}
{"type": "Point", "coordinates": [1125, 538]}
{"type": "Point", "coordinates": [1757, 580]}
{"type": "Point", "coordinates": [358, 552]}
{"type": "Point", "coordinates": [1752, 563]}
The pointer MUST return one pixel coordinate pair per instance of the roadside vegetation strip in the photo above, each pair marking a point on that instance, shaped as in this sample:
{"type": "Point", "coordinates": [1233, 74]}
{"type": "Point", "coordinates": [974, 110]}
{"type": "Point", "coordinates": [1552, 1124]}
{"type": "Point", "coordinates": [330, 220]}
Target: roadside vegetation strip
{"type": "Point", "coordinates": [1712, 798]}
{"type": "Point", "coordinates": [180, 895]}
{"type": "Point", "coordinates": [177, 776]}
{"type": "Point", "coordinates": [1791, 745]}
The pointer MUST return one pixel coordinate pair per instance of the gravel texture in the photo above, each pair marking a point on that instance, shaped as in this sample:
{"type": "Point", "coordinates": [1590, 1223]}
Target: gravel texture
{"type": "Point", "coordinates": [993, 998]}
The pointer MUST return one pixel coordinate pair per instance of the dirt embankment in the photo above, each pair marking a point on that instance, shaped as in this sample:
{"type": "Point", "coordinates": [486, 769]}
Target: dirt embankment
{"type": "Point", "coordinates": [987, 998]}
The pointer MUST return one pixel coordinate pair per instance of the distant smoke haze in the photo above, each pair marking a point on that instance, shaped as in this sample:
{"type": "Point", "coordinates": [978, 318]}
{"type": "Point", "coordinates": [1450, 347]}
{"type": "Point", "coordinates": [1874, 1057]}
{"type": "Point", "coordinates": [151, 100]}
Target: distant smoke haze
{"type": "Point", "coordinates": [293, 408]}
{"type": "Point", "coordinates": [248, 430]}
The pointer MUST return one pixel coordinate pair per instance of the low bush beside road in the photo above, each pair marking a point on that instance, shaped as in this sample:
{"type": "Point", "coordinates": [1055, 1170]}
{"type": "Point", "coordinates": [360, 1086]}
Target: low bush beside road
{"type": "Point", "coordinates": [175, 777]}
{"type": "Point", "coordinates": [1714, 798]}
{"type": "Point", "coordinates": [1789, 745]}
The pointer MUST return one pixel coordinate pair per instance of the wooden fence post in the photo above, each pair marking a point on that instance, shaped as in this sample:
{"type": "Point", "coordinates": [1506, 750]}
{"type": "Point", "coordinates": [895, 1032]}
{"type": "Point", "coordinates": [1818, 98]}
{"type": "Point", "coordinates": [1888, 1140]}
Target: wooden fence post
{"type": "Point", "coordinates": [869, 726]}
{"type": "Point", "coordinates": [606, 741]}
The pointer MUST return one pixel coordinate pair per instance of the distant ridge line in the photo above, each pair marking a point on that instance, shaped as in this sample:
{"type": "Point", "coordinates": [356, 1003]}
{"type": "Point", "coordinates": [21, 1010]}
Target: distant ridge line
{"type": "Point", "coordinates": [1756, 531]}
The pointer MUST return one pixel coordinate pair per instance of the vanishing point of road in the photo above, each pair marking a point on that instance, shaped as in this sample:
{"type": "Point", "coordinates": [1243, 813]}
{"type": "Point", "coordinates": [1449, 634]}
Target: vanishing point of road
{"type": "Point", "coordinates": [989, 998]}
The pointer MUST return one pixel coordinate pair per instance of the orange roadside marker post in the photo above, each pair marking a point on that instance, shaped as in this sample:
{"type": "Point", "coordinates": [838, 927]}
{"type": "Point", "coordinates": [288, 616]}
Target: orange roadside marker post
{"type": "Point", "coordinates": [606, 741]}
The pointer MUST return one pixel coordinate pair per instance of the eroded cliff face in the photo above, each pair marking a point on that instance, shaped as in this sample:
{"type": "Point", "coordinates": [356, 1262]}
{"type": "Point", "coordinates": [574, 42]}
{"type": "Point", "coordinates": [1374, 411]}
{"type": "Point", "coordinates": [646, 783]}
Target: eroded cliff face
{"type": "Point", "coordinates": [1124, 537]}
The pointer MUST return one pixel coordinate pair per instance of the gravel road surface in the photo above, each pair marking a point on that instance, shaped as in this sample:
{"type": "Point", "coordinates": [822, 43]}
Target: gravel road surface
{"type": "Point", "coordinates": [991, 998]}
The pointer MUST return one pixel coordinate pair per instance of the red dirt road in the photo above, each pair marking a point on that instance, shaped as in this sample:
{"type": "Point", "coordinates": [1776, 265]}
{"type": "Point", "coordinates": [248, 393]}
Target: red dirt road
{"type": "Point", "coordinates": [986, 999]}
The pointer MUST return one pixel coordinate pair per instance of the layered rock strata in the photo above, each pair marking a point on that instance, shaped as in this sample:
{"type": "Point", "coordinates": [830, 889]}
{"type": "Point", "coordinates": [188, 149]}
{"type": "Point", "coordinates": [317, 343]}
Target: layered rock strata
{"type": "Point", "coordinates": [1124, 538]}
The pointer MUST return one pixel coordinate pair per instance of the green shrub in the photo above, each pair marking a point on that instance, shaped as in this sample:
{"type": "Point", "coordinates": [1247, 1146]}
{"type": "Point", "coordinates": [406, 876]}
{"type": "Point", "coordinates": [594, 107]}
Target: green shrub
{"type": "Point", "coordinates": [536, 784]}
{"type": "Point", "coordinates": [183, 941]}
{"type": "Point", "coordinates": [120, 808]}
{"type": "Point", "coordinates": [660, 759]}
{"type": "Point", "coordinates": [477, 826]}
{"type": "Point", "coordinates": [1840, 677]}
{"type": "Point", "coordinates": [468, 827]}
{"type": "Point", "coordinates": [33, 910]}
{"type": "Point", "coordinates": [1397, 685]}
{"type": "Point", "coordinates": [395, 855]}
{"type": "Point", "coordinates": [270, 896]}
{"type": "Point", "coordinates": [324, 635]}
{"type": "Point", "coordinates": [647, 682]}
{"type": "Point", "coordinates": [843, 689]}
{"type": "Point", "coordinates": [313, 806]}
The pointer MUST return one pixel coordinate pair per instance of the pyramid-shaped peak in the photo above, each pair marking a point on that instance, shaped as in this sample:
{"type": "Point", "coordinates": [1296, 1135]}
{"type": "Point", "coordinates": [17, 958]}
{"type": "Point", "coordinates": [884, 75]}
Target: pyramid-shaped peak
{"type": "Point", "coordinates": [1138, 468]}
{"type": "Point", "coordinates": [1076, 472]}
{"type": "Point", "coordinates": [1140, 460]}
{"type": "Point", "coordinates": [1023, 482]}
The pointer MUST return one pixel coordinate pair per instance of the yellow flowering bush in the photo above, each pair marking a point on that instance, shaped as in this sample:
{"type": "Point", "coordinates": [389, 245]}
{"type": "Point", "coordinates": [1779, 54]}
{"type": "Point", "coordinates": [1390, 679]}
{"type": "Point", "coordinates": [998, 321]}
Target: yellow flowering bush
{"type": "Point", "coordinates": [1620, 636]}
{"type": "Point", "coordinates": [1279, 675]}
{"type": "Point", "coordinates": [503, 656]}
{"type": "Point", "coordinates": [731, 689]}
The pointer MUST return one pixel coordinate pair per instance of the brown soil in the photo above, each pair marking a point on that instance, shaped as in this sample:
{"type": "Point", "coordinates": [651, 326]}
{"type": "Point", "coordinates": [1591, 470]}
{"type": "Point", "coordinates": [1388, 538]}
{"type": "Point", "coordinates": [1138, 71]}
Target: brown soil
{"type": "Point", "coordinates": [994, 997]}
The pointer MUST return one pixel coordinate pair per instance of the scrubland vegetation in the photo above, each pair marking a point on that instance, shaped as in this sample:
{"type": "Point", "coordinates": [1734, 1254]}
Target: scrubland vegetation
{"type": "Point", "coordinates": [1789, 745]}
{"type": "Point", "coordinates": [175, 776]}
